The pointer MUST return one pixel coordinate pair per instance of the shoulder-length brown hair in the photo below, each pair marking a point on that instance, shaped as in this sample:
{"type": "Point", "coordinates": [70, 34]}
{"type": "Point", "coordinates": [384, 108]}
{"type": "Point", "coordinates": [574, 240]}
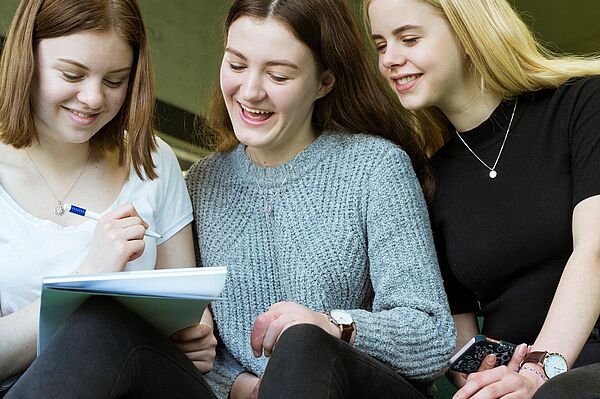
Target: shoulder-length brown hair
{"type": "Point", "coordinates": [36, 20]}
{"type": "Point", "coordinates": [359, 102]}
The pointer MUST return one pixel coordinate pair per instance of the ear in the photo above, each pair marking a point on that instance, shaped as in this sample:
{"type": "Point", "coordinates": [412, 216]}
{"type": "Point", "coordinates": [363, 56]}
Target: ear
{"type": "Point", "coordinates": [327, 83]}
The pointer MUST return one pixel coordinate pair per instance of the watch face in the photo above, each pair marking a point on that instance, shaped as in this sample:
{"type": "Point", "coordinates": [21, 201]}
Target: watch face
{"type": "Point", "coordinates": [554, 365]}
{"type": "Point", "coordinates": [341, 317]}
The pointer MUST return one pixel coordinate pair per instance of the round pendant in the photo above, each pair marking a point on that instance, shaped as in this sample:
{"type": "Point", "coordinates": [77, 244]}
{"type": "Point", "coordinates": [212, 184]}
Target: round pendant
{"type": "Point", "coordinates": [58, 209]}
{"type": "Point", "coordinates": [493, 174]}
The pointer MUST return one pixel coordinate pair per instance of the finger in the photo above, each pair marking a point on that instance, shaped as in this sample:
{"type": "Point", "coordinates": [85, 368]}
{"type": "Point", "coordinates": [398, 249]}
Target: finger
{"type": "Point", "coordinates": [198, 345]}
{"type": "Point", "coordinates": [203, 366]}
{"type": "Point", "coordinates": [125, 211]}
{"type": "Point", "coordinates": [191, 333]}
{"type": "Point", "coordinates": [259, 329]}
{"type": "Point", "coordinates": [517, 357]}
{"type": "Point", "coordinates": [136, 249]}
{"type": "Point", "coordinates": [475, 382]}
{"type": "Point", "coordinates": [273, 332]}
{"type": "Point", "coordinates": [205, 355]}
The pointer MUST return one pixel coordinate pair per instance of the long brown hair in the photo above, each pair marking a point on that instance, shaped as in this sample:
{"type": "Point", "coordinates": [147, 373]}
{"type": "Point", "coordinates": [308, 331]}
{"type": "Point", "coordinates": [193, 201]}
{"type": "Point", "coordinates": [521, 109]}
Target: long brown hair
{"type": "Point", "coordinates": [36, 20]}
{"type": "Point", "coordinates": [359, 101]}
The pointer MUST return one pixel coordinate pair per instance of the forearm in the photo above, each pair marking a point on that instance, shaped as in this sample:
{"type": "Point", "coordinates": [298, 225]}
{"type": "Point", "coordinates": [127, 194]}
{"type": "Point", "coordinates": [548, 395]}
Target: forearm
{"type": "Point", "coordinates": [19, 340]}
{"type": "Point", "coordinates": [575, 307]}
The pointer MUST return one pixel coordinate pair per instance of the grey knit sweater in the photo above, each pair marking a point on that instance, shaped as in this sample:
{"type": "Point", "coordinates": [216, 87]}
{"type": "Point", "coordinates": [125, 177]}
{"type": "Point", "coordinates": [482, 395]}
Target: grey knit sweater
{"type": "Point", "coordinates": [342, 226]}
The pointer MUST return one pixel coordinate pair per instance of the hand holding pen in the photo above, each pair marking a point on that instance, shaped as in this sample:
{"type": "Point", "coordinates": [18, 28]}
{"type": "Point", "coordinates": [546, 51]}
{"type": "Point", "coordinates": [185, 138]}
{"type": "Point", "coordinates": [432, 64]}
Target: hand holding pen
{"type": "Point", "coordinates": [96, 216]}
{"type": "Point", "coordinates": [118, 238]}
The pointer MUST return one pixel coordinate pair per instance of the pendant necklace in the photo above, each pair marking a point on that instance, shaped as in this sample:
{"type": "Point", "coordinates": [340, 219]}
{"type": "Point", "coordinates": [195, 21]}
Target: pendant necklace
{"type": "Point", "coordinates": [58, 209]}
{"type": "Point", "coordinates": [492, 169]}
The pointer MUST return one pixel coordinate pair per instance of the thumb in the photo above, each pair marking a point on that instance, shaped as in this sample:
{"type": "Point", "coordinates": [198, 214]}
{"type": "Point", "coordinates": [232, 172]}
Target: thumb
{"type": "Point", "coordinates": [517, 357]}
{"type": "Point", "coordinates": [488, 363]}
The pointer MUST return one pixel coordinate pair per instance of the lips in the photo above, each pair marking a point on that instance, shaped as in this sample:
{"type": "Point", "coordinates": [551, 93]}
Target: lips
{"type": "Point", "coordinates": [405, 82]}
{"type": "Point", "coordinates": [81, 118]}
{"type": "Point", "coordinates": [254, 115]}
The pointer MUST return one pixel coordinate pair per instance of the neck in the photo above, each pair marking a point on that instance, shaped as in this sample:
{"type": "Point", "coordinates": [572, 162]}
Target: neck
{"type": "Point", "coordinates": [62, 158]}
{"type": "Point", "coordinates": [472, 112]}
{"type": "Point", "coordinates": [469, 105]}
{"type": "Point", "coordinates": [278, 155]}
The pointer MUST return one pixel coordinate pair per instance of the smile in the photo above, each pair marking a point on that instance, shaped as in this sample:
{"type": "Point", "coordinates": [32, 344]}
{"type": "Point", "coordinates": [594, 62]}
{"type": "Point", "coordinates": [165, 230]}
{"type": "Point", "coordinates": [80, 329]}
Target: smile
{"type": "Point", "coordinates": [405, 79]}
{"type": "Point", "coordinates": [254, 116]}
{"type": "Point", "coordinates": [80, 114]}
{"type": "Point", "coordinates": [254, 110]}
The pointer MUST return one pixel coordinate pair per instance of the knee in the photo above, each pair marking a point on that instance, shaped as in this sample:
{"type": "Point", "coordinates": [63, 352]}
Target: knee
{"type": "Point", "coordinates": [302, 340]}
{"type": "Point", "coordinates": [98, 313]}
{"type": "Point", "coordinates": [578, 383]}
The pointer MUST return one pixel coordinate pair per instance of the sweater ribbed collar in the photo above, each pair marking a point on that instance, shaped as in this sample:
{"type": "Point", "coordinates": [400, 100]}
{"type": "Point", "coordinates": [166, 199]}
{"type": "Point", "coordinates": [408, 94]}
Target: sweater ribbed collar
{"type": "Point", "coordinates": [294, 169]}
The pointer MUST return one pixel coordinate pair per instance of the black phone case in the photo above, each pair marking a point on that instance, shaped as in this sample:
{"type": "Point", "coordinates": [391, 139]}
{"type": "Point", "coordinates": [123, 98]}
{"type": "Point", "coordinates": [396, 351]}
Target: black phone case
{"type": "Point", "coordinates": [472, 358]}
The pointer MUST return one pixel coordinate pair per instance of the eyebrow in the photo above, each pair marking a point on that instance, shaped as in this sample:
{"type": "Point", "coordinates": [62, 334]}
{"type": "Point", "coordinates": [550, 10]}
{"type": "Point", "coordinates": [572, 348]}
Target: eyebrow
{"type": "Point", "coordinates": [398, 30]}
{"type": "Point", "coordinates": [85, 68]}
{"type": "Point", "coordinates": [269, 63]}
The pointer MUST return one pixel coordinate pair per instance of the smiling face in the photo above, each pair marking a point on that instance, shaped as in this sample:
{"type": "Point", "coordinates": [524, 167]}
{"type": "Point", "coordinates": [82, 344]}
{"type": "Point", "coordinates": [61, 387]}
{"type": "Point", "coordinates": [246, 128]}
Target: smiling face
{"type": "Point", "coordinates": [270, 81]}
{"type": "Point", "coordinates": [419, 54]}
{"type": "Point", "coordinates": [80, 84]}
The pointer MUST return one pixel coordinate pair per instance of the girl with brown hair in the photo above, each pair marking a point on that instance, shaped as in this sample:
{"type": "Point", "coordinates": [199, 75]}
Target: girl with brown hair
{"type": "Point", "coordinates": [76, 111]}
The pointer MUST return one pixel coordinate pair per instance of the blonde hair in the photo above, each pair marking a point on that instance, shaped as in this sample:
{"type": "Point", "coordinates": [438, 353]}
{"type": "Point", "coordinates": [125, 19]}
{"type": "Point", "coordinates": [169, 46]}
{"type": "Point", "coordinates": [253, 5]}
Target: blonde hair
{"type": "Point", "coordinates": [36, 20]}
{"type": "Point", "coordinates": [504, 54]}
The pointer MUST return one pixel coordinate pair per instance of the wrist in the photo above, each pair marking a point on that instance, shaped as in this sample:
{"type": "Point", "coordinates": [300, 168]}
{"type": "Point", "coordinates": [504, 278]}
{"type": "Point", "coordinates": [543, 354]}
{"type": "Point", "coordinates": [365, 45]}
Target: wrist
{"type": "Point", "coordinates": [534, 372]}
{"type": "Point", "coordinates": [243, 385]}
{"type": "Point", "coordinates": [332, 328]}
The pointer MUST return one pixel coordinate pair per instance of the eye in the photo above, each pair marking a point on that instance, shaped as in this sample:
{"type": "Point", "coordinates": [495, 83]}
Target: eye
{"type": "Point", "coordinates": [410, 41]}
{"type": "Point", "coordinates": [277, 78]}
{"type": "Point", "coordinates": [236, 67]}
{"type": "Point", "coordinates": [71, 77]}
{"type": "Point", "coordinates": [380, 47]}
{"type": "Point", "coordinates": [113, 84]}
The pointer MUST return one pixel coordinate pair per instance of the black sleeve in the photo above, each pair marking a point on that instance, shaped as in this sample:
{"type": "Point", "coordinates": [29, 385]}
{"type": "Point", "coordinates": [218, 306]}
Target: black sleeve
{"type": "Point", "coordinates": [584, 138]}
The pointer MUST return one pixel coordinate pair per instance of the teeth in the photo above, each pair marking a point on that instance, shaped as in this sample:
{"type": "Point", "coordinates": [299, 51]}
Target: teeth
{"type": "Point", "coordinates": [406, 79]}
{"type": "Point", "coordinates": [254, 111]}
{"type": "Point", "coordinates": [79, 114]}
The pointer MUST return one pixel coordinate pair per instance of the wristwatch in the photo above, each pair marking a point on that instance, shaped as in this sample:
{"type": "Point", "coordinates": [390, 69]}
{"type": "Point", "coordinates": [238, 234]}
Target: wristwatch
{"type": "Point", "coordinates": [552, 363]}
{"type": "Point", "coordinates": [344, 321]}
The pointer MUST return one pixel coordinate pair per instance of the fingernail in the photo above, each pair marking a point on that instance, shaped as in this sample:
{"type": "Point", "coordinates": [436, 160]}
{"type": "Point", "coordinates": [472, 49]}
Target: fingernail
{"type": "Point", "coordinates": [255, 353]}
{"type": "Point", "coordinates": [491, 359]}
{"type": "Point", "coordinates": [522, 349]}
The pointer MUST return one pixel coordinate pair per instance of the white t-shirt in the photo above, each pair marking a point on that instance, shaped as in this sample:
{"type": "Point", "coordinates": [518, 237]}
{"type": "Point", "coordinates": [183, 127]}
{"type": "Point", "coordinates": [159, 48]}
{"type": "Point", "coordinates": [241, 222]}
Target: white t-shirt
{"type": "Point", "coordinates": [32, 248]}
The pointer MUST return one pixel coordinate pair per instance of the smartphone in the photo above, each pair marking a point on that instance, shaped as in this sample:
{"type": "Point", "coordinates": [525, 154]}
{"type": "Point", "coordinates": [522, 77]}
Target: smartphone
{"type": "Point", "coordinates": [469, 357]}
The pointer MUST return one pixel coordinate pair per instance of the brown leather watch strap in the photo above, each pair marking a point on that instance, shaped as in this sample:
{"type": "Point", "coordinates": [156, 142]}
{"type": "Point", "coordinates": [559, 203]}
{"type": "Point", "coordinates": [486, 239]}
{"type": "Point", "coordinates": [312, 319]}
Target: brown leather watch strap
{"type": "Point", "coordinates": [535, 357]}
{"type": "Point", "coordinates": [347, 330]}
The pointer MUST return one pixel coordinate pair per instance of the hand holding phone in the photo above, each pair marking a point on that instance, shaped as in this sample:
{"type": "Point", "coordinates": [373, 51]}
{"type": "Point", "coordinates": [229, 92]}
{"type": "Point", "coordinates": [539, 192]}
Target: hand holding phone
{"type": "Point", "coordinates": [469, 358]}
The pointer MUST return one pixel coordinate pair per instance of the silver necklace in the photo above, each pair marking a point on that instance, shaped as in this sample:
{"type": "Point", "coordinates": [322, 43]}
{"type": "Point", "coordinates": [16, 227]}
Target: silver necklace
{"type": "Point", "coordinates": [267, 201]}
{"type": "Point", "coordinates": [58, 208]}
{"type": "Point", "coordinates": [492, 169]}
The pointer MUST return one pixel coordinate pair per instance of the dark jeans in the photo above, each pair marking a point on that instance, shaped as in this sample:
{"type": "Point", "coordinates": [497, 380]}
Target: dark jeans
{"type": "Point", "coordinates": [105, 351]}
{"type": "Point", "coordinates": [580, 383]}
{"type": "Point", "coordinates": [307, 362]}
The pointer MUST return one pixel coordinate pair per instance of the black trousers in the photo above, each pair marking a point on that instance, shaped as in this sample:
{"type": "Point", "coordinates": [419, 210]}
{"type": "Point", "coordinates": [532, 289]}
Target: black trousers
{"type": "Point", "coordinates": [580, 383]}
{"type": "Point", "coordinates": [307, 362]}
{"type": "Point", "coordinates": [105, 351]}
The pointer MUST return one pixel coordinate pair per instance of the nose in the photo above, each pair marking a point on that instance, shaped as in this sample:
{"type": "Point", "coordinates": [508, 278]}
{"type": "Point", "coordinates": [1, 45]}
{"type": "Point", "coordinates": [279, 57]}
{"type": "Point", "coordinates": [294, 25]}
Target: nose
{"type": "Point", "coordinates": [252, 89]}
{"type": "Point", "coordinates": [392, 57]}
{"type": "Point", "coordinates": [91, 94]}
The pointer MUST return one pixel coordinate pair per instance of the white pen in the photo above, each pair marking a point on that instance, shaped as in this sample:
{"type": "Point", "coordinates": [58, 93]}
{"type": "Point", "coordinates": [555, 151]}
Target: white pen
{"type": "Point", "coordinates": [95, 216]}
